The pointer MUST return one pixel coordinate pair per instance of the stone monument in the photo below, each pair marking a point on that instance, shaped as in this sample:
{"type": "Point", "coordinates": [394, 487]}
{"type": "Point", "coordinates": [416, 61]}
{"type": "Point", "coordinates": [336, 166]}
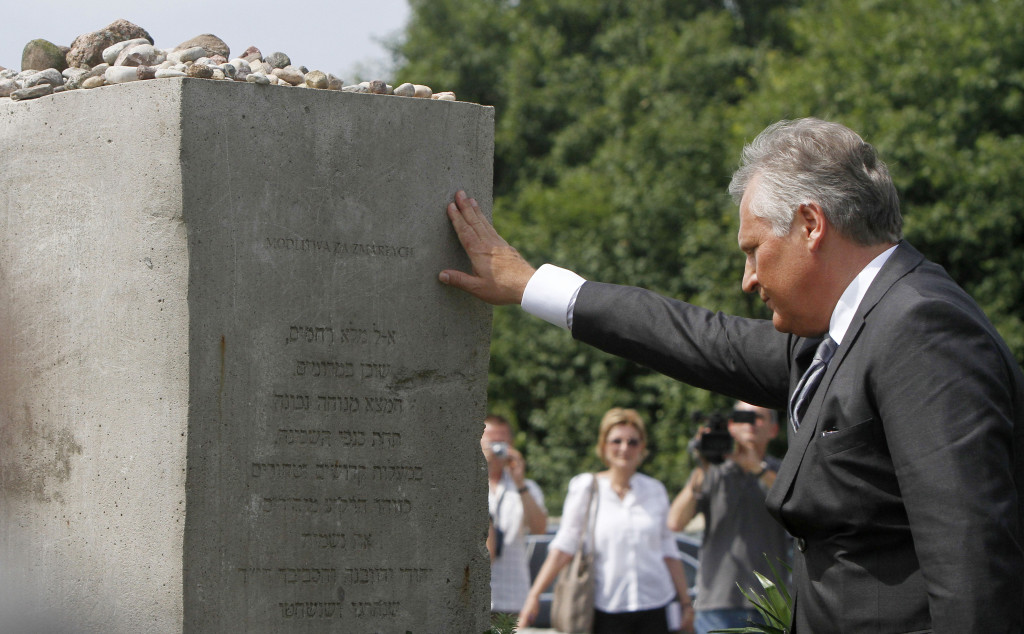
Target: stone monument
{"type": "Point", "coordinates": [233, 395]}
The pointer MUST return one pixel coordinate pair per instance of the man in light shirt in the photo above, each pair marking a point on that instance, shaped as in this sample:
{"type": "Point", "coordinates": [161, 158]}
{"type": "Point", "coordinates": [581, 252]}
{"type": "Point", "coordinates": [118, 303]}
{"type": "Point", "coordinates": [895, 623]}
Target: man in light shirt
{"type": "Point", "coordinates": [904, 479]}
{"type": "Point", "coordinates": [516, 507]}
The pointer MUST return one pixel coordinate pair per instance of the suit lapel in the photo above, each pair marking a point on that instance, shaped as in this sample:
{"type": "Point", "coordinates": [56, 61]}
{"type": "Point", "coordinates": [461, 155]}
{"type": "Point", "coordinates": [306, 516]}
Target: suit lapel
{"type": "Point", "coordinates": [902, 261]}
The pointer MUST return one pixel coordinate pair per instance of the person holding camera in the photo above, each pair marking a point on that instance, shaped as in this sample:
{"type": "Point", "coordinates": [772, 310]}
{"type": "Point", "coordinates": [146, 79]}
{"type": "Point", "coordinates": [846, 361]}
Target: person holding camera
{"type": "Point", "coordinates": [516, 507]}
{"type": "Point", "coordinates": [729, 487]}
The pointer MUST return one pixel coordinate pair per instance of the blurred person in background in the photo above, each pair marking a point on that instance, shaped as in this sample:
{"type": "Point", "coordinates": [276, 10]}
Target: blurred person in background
{"type": "Point", "coordinates": [739, 534]}
{"type": "Point", "coordinates": [636, 561]}
{"type": "Point", "coordinates": [516, 508]}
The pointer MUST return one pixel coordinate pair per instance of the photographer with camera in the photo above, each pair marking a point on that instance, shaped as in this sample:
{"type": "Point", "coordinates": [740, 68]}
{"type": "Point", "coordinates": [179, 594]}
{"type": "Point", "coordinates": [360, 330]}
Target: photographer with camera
{"type": "Point", "coordinates": [729, 488]}
{"type": "Point", "coordinates": [516, 507]}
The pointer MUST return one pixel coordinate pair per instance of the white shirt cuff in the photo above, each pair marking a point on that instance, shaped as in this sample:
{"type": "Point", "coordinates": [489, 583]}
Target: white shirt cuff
{"type": "Point", "coordinates": [551, 294]}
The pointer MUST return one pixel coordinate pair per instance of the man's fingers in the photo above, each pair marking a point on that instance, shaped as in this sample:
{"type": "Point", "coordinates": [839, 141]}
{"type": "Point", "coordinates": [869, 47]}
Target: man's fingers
{"type": "Point", "coordinates": [465, 211]}
{"type": "Point", "coordinates": [459, 280]}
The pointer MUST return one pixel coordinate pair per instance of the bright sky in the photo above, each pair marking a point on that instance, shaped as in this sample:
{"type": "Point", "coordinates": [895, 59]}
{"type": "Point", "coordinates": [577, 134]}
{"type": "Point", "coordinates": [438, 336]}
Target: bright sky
{"type": "Point", "coordinates": [338, 36]}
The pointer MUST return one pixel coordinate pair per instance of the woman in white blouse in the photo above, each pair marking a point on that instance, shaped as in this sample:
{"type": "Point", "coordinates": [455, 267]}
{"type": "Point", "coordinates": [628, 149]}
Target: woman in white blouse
{"type": "Point", "coordinates": [636, 560]}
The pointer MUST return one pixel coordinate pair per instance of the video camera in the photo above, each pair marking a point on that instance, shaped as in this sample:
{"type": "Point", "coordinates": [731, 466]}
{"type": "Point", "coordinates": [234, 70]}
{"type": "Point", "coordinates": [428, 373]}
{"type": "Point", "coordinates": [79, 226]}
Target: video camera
{"type": "Point", "coordinates": [714, 444]}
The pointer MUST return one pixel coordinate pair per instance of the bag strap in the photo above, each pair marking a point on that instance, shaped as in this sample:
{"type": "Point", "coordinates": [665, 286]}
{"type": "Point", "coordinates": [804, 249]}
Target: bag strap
{"type": "Point", "coordinates": [591, 511]}
{"type": "Point", "coordinates": [497, 505]}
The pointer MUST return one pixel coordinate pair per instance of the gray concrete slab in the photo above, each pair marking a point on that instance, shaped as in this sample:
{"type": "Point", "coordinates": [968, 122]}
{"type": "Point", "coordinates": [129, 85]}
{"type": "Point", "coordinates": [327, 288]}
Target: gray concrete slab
{"type": "Point", "coordinates": [233, 396]}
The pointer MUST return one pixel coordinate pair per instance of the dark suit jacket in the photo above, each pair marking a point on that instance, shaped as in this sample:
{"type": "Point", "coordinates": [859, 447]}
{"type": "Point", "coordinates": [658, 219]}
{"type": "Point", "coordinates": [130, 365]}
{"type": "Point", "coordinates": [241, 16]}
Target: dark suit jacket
{"type": "Point", "coordinates": [905, 483]}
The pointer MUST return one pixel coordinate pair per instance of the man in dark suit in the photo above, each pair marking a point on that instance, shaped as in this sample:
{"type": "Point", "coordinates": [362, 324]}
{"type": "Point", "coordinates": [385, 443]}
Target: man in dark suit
{"type": "Point", "coordinates": [904, 479]}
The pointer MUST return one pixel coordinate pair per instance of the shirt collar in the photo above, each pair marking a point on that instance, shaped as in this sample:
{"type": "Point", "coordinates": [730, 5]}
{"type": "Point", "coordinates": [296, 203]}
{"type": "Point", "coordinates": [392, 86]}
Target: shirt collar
{"type": "Point", "coordinates": [844, 311]}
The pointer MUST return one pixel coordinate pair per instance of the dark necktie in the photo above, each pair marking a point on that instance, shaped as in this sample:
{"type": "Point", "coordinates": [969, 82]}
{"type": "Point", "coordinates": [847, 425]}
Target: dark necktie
{"type": "Point", "coordinates": [810, 380]}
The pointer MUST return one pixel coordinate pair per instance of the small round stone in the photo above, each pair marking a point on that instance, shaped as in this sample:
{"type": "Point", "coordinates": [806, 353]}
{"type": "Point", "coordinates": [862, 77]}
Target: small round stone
{"type": "Point", "coordinates": [97, 71]}
{"type": "Point", "coordinates": [168, 72]}
{"type": "Point", "coordinates": [190, 54]}
{"type": "Point", "coordinates": [257, 78]}
{"type": "Point", "coordinates": [111, 52]}
{"type": "Point", "coordinates": [32, 93]}
{"type": "Point", "coordinates": [7, 86]}
{"type": "Point", "coordinates": [202, 71]}
{"type": "Point", "coordinates": [406, 90]}
{"type": "Point", "coordinates": [49, 76]}
{"type": "Point", "coordinates": [379, 87]}
{"type": "Point", "coordinates": [423, 92]}
{"type": "Point", "coordinates": [277, 59]}
{"type": "Point", "coordinates": [444, 96]}
{"type": "Point", "coordinates": [93, 82]}
{"type": "Point", "coordinates": [73, 77]}
{"type": "Point", "coordinates": [290, 75]}
{"type": "Point", "coordinates": [241, 64]}
{"type": "Point", "coordinates": [120, 74]}
{"type": "Point", "coordinates": [317, 79]}
{"type": "Point", "coordinates": [140, 55]}
{"type": "Point", "coordinates": [252, 54]}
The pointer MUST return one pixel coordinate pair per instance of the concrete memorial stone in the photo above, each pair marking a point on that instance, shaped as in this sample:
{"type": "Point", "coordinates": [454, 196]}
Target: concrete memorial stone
{"type": "Point", "coordinates": [233, 396]}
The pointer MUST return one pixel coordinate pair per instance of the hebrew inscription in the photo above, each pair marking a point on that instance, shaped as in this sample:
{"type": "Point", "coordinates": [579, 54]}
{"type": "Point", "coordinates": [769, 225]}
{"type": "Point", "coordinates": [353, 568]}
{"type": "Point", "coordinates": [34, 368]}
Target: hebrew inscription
{"type": "Point", "coordinates": [338, 469]}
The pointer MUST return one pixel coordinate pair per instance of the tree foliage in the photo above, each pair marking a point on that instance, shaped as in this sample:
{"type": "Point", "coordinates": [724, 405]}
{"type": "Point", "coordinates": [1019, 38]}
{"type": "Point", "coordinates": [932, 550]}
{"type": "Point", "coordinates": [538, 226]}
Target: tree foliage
{"type": "Point", "coordinates": [618, 125]}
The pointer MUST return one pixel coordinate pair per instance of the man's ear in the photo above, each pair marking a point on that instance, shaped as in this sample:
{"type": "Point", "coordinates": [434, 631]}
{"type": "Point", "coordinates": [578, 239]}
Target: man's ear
{"type": "Point", "coordinates": [810, 219]}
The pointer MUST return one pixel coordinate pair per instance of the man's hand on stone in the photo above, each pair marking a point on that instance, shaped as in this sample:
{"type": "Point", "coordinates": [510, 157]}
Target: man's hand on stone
{"type": "Point", "coordinates": [500, 274]}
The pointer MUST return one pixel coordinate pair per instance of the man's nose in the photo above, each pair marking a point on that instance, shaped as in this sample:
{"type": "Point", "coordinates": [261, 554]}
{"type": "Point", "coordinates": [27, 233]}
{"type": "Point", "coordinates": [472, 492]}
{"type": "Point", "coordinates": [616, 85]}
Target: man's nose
{"type": "Point", "coordinates": [749, 282]}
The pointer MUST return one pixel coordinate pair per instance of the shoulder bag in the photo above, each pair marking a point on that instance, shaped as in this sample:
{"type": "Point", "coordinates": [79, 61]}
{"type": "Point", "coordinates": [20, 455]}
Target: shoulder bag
{"type": "Point", "coordinates": [572, 608]}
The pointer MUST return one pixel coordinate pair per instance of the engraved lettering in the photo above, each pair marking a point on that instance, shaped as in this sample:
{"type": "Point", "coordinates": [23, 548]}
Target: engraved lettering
{"type": "Point", "coordinates": [328, 369]}
{"type": "Point", "coordinates": [364, 609]}
{"type": "Point", "coordinates": [338, 248]}
{"type": "Point", "coordinates": [304, 437]}
{"type": "Point", "coordinates": [314, 505]}
{"type": "Point", "coordinates": [387, 337]}
{"type": "Point", "coordinates": [310, 334]}
{"type": "Point", "coordinates": [382, 405]}
{"type": "Point", "coordinates": [343, 404]}
{"type": "Point", "coordinates": [365, 576]}
{"type": "Point", "coordinates": [338, 541]}
{"type": "Point", "coordinates": [291, 401]}
{"type": "Point", "coordinates": [352, 438]}
{"type": "Point", "coordinates": [279, 470]}
{"type": "Point", "coordinates": [336, 471]}
{"type": "Point", "coordinates": [326, 540]}
{"type": "Point", "coordinates": [390, 473]}
{"type": "Point", "coordinates": [386, 440]}
{"type": "Point", "coordinates": [375, 370]}
{"type": "Point", "coordinates": [311, 610]}
{"type": "Point", "coordinates": [363, 541]}
{"type": "Point", "coordinates": [309, 575]}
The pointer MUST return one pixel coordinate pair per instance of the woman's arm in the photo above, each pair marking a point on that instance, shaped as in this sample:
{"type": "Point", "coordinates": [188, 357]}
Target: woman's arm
{"type": "Point", "coordinates": [678, 574]}
{"type": "Point", "coordinates": [556, 560]}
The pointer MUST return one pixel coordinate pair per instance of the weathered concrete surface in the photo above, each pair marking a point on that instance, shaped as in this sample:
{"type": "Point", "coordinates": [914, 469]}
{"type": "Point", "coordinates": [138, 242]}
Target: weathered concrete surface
{"type": "Point", "coordinates": [233, 396]}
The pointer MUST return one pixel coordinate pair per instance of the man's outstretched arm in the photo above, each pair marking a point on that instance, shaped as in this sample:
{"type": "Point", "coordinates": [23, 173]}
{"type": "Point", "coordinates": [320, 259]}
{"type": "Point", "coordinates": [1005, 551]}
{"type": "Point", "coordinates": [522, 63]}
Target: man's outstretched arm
{"type": "Point", "coordinates": [499, 274]}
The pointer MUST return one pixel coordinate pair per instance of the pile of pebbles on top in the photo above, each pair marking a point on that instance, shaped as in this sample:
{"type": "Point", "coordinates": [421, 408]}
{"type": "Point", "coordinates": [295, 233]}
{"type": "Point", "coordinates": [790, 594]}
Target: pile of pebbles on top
{"type": "Point", "coordinates": [124, 52]}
